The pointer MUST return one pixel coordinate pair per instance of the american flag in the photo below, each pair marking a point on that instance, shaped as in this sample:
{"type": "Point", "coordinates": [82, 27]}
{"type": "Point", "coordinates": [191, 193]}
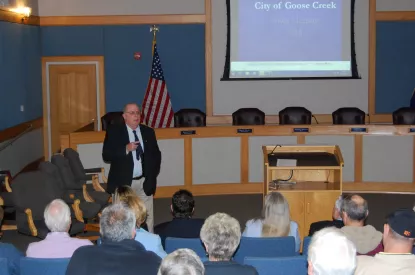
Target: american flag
{"type": "Point", "coordinates": [157, 109]}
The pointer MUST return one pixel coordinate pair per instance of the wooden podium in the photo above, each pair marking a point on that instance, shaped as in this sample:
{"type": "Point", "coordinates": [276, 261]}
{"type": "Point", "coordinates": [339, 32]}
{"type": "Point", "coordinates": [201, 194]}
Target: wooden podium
{"type": "Point", "coordinates": [309, 177]}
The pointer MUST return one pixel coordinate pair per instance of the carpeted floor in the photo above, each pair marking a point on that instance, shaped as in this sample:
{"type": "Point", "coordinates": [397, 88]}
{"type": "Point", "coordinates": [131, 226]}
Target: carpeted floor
{"type": "Point", "coordinates": [245, 207]}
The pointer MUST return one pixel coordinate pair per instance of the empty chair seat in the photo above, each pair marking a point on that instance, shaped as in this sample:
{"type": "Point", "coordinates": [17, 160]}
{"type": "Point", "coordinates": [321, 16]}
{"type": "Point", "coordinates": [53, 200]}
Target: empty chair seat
{"type": "Point", "coordinates": [35, 266]}
{"type": "Point", "coordinates": [189, 118]}
{"type": "Point", "coordinates": [248, 116]}
{"type": "Point", "coordinates": [195, 244]}
{"type": "Point", "coordinates": [295, 115]}
{"type": "Point", "coordinates": [404, 116]}
{"type": "Point", "coordinates": [349, 115]}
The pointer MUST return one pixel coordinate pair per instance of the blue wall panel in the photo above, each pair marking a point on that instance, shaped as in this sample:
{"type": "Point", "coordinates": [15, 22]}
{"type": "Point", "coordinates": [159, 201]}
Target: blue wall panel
{"type": "Point", "coordinates": [395, 70]}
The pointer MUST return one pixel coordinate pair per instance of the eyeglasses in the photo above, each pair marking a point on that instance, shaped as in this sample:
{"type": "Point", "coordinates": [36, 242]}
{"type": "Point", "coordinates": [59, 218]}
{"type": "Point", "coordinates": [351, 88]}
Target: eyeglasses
{"type": "Point", "coordinates": [133, 113]}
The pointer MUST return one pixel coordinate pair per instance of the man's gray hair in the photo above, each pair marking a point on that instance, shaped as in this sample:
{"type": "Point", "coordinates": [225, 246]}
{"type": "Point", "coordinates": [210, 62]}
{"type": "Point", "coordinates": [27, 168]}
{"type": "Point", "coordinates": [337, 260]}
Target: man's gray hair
{"type": "Point", "coordinates": [182, 262]}
{"type": "Point", "coordinates": [117, 223]}
{"type": "Point", "coordinates": [222, 234]}
{"type": "Point", "coordinates": [355, 207]}
{"type": "Point", "coordinates": [330, 252]}
{"type": "Point", "coordinates": [57, 216]}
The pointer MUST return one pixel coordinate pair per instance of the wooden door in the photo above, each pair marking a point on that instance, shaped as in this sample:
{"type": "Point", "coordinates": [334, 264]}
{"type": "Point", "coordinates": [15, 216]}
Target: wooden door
{"type": "Point", "coordinates": [296, 202]}
{"type": "Point", "coordinates": [72, 98]}
{"type": "Point", "coordinates": [319, 206]}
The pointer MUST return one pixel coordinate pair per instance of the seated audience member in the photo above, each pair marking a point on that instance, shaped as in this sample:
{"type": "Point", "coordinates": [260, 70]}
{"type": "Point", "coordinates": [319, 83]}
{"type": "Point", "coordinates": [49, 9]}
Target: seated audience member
{"type": "Point", "coordinates": [150, 241]}
{"type": "Point", "coordinates": [9, 252]}
{"type": "Point", "coordinates": [221, 235]}
{"type": "Point", "coordinates": [366, 238]}
{"type": "Point", "coordinates": [398, 240]}
{"type": "Point", "coordinates": [119, 253]}
{"type": "Point", "coordinates": [125, 191]}
{"type": "Point", "coordinates": [336, 222]}
{"type": "Point", "coordinates": [331, 252]}
{"type": "Point", "coordinates": [182, 225]}
{"type": "Point", "coordinates": [182, 262]}
{"type": "Point", "coordinates": [275, 220]}
{"type": "Point", "coordinates": [58, 243]}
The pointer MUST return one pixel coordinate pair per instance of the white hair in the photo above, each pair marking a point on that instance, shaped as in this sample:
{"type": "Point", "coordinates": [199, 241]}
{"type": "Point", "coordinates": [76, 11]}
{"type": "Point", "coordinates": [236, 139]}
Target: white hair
{"type": "Point", "coordinates": [117, 223]}
{"type": "Point", "coordinates": [331, 253]}
{"type": "Point", "coordinates": [57, 216]}
{"type": "Point", "coordinates": [338, 203]}
{"type": "Point", "coordinates": [182, 262]}
{"type": "Point", "coordinates": [222, 234]}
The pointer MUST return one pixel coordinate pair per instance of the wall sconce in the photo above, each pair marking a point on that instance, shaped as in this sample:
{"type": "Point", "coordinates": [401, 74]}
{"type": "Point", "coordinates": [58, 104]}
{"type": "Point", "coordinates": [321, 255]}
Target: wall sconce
{"type": "Point", "coordinates": [24, 11]}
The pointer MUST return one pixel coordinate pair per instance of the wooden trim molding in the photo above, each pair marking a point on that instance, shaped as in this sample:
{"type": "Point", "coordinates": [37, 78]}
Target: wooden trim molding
{"type": "Point", "coordinates": [14, 131]}
{"type": "Point", "coordinates": [395, 16]}
{"type": "Point", "coordinates": [372, 58]}
{"type": "Point", "coordinates": [12, 17]}
{"type": "Point", "coordinates": [208, 57]}
{"type": "Point", "coordinates": [122, 20]}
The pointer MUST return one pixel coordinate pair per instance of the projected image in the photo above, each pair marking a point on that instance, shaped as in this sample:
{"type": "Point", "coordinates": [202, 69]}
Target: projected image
{"type": "Point", "coordinates": [290, 39]}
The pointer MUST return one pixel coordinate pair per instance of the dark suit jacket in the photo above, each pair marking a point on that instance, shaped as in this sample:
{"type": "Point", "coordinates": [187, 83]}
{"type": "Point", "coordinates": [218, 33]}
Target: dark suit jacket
{"type": "Point", "coordinates": [179, 228]}
{"type": "Point", "coordinates": [316, 226]}
{"type": "Point", "coordinates": [125, 257]}
{"type": "Point", "coordinates": [122, 165]}
{"type": "Point", "coordinates": [228, 268]}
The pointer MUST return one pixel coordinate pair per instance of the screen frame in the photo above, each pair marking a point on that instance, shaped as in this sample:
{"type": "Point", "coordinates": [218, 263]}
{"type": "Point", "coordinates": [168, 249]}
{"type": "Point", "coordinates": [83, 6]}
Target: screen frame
{"type": "Point", "coordinates": [227, 68]}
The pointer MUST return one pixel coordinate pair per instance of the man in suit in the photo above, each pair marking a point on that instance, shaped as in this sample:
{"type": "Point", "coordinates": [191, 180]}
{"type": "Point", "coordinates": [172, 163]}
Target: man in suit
{"type": "Point", "coordinates": [135, 158]}
{"type": "Point", "coordinates": [119, 253]}
{"type": "Point", "coordinates": [183, 225]}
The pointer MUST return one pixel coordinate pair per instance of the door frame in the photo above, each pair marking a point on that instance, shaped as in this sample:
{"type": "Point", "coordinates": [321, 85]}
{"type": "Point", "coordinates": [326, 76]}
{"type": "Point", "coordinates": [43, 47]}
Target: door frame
{"type": "Point", "coordinates": [98, 61]}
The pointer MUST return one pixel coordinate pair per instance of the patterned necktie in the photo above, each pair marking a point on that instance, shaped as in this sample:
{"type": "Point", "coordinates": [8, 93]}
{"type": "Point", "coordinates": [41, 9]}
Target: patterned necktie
{"type": "Point", "coordinates": [139, 150]}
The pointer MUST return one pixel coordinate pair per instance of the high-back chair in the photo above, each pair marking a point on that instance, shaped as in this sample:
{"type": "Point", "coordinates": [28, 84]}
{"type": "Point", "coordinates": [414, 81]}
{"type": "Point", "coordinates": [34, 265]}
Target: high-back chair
{"type": "Point", "coordinates": [248, 116]}
{"type": "Point", "coordinates": [111, 118]}
{"type": "Point", "coordinates": [404, 116]}
{"type": "Point", "coordinates": [295, 115]}
{"type": "Point", "coordinates": [194, 244]}
{"type": "Point", "coordinates": [348, 115]}
{"type": "Point", "coordinates": [189, 118]}
{"type": "Point", "coordinates": [306, 244]}
{"type": "Point", "coordinates": [265, 247]}
{"type": "Point", "coordinates": [296, 265]}
{"type": "Point", "coordinates": [35, 266]}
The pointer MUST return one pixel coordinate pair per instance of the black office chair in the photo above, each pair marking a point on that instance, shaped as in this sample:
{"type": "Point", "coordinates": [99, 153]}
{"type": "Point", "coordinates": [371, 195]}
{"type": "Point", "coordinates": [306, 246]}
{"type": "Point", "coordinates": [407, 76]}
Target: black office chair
{"type": "Point", "coordinates": [349, 115]}
{"type": "Point", "coordinates": [404, 116]}
{"type": "Point", "coordinates": [295, 115]}
{"type": "Point", "coordinates": [189, 118]}
{"type": "Point", "coordinates": [111, 118]}
{"type": "Point", "coordinates": [248, 116]}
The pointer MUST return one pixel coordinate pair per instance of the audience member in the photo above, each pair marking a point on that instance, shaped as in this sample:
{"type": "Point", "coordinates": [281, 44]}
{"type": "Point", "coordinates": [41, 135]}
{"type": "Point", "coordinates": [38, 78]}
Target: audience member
{"type": "Point", "coordinates": [123, 192]}
{"type": "Point", "coordinates": [58, 243]}
{"type": "Point", "coordinates": [275, 220]}
{"type": "Point", "coordinates": [336, 222]}
{"type": "Point", "coordinates": [182, 262]}
{"type": "Point", "coordinates": [221, 235]}
{"type": "Point", "coordinates": [150, 241]}
{"type": "Point", "coordinates": [366, 238]}
{"type": "Point", "coordinates": [119, 253]}
{"type": "Point", "coordinates": [331, 252]}
{"type": "Point", "coordinates": [12, 255]}
{"type": "Point", "coordinates": [183, 225]}
{"type": "Point", "coordinates": [398, 241]}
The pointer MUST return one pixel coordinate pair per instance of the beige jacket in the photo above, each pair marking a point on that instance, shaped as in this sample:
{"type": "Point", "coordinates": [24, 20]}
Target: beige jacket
{"type": "Point", "coordinates": [386, 264]}
{"type": "Point", "coordinates": [365, 238]}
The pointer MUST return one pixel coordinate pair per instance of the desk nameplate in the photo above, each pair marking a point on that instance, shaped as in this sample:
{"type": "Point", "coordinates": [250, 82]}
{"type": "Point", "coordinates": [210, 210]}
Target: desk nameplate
{"type": "Point", "coordinates": [244, 131]}
{"type": "Point", "coordinates": [188, 132]}
{"type": "Point", "coordinates": [301, 130]}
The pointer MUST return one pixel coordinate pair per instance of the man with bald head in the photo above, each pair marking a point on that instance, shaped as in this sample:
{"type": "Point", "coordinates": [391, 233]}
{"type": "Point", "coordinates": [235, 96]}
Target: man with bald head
{"type": "Point", "coordinates": [135, 158]}
{"type": "Point", "coordinates": [366, 238]}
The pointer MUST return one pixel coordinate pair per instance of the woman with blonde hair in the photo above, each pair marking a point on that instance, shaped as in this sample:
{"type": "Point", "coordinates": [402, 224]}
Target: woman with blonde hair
{"type": "Point", "coordinates": [150, 241]}
{"type": "Point", "coordinates": [275, 220]}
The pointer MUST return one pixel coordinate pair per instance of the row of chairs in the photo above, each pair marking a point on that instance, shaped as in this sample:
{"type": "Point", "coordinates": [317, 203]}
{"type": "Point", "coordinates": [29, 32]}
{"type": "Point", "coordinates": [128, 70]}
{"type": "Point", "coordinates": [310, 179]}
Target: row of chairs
{"type": "Point", "coordinates": [287, 116]}
{"type": "Point", "coordinates": [33, 266]}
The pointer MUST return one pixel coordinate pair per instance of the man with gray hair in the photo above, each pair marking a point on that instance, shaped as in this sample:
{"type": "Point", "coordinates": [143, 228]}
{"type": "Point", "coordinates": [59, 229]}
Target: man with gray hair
{"type": "Point", "coordinates": [366, 238]}
{"type": "Point", "coordinates": [182, 262]}
{"type": "Point", "coordinates": [119, 253]}
{"type": "Point", "coordinates": [58, 243]}
{"type": "Point", "coordinates": [330, 252]}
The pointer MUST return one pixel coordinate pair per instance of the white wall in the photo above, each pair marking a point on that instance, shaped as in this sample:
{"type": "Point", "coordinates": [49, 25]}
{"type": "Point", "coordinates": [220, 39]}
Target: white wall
{"type": "Point", "coordinates": [395, 5]}
{"type": "Point", "coordinates": [319, 96]}
{"type": "Point", "coordinates": [119, 7]}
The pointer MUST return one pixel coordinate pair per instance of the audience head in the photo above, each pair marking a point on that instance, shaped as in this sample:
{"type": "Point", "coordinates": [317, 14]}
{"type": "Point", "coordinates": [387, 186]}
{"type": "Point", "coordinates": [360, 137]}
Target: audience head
{"type": "Point", "coordinates": [399, 231]}
{"type": "Point", "coordinates": [131, 114]}
{"type": "Point", "coordinates": [57, 216]}
{"type": "Point", "coordinates": [138, 207]}
{"type": "Point", "coordinates": [117, 223]}
{"type": "Point", "coordinates": [276, 216]}
{"type": "Point", "coordinates": [337, 209]}
{"type": "Point", "coordinates": [354, 210]}
{"type": "Point", "coordinates": [182, 204]}
{"type": "Point", "coordinates": [221, 235]}
{"type": "Point", "coordinates": [330, 252]}
{"type": "Point", "coordinates": [122, 192]}
{"type": "Point", "coordinates": [182, 262]}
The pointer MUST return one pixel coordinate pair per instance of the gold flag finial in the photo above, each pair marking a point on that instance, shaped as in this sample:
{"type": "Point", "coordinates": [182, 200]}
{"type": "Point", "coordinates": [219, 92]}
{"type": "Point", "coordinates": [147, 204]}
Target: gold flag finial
{"type": "Point", "coordinates": [154, 29]}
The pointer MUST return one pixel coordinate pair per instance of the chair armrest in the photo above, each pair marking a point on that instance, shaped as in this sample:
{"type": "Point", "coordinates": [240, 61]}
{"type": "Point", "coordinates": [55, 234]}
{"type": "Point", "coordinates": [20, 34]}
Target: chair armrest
{"type": "Point", "coordinates": [100, 170]}
{"type": "Point", "coordinates": [87, 197]}
{"type": "Point", "coordinates": [92, 170]}
{"type": "Point", "coordinates": [30, 222]}
{"type": "Point", "coordinates": [78, 212]}
{"type": "Point", "coordinates": [96, 185]}
{"type": "Point", "coordinates": [92, 227]}
{"type": "Point", "coordinates": [1, 201]}
{"type": "Point", "coordinates": [6, 179]}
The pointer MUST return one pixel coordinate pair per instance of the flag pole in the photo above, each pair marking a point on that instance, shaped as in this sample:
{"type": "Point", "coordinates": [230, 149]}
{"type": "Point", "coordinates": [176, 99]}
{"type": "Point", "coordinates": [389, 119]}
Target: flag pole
{"type": "Point", "coordinates": [154, 29]}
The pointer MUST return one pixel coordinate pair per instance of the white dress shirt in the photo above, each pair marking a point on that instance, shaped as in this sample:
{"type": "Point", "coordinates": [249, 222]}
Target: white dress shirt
{"type": "Point", "coordinates": [138, 167]}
